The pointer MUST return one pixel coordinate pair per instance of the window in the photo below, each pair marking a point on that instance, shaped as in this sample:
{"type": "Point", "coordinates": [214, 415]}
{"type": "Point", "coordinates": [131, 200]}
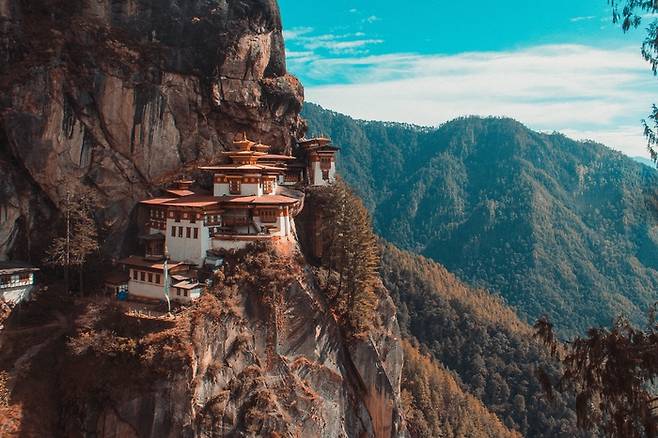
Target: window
{"type": "Point", "coordinates": [177, 216]}
{"type": "Point", "coordinates": [268, 187]}
{"type": "Point", "coordinates": [134, 275]}
{"type": "Point", "coordinates": [185, 293]}
{"type": "Point", "coordinates": [268, 216]}
{"type": "Point", "coordinates": [142, 276]}
{"type": "Point", "coordinates": [325, 166]}
{"type": "Point", "coordinates": [188, 232]}
{"type": "Point", "coordinates": [173, 231]}
{"type": "Point", "coordinates": [196, 233]}
{"type": "Point", "coordinates": [234, 186]}
{"type": "Point", "coordinates": [178, 292]}
{"type": "Point", "coordinates": [150, 278]}
{"type": "Point", "coordinates": [157, 278]}
{"type": "Point", "coordinates": [180, 231]}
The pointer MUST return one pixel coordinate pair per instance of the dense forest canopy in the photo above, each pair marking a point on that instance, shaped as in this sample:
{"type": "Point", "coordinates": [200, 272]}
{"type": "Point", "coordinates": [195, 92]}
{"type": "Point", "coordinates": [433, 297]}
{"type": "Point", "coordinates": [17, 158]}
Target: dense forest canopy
{"type": "Point", "coordinates": [555, 226]}
{"type": "Point", "coordinates": [481, 340]}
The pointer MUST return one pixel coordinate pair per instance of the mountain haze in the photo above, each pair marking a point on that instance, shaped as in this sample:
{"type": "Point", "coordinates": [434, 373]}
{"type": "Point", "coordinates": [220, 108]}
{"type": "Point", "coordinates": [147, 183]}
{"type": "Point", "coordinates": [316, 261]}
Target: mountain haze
{"type": "Point", "coordinates": [554, 225]}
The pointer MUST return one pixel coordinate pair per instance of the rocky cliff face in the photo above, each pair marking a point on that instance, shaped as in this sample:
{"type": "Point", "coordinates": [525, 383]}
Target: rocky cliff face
{"type": "Point", "coordinates": [259, 356]}
{"type": "Point", "coordinates": [122, 95]}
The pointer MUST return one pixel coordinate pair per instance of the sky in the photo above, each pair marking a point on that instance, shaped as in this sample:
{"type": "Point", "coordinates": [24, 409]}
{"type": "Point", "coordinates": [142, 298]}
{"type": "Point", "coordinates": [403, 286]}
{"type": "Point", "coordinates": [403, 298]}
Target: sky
{"type": "Point", "coordinates": [558, 65]}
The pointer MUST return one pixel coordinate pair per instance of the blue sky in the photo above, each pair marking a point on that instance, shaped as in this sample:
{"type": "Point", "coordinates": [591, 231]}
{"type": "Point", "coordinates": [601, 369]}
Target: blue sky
{"type": "Point", "coordinates": [553, 65]}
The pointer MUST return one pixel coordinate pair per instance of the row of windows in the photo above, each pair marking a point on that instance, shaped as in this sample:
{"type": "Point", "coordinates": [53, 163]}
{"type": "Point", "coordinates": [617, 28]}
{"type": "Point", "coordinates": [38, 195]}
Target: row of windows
{"type": "Point", "coordinates": [157, 213]}
{"type": "Point", "coordinates": [149, 277]}
{"type": "Point", "coordinates": [214, 219]}
{"type": "Point", "coordinates": [187, 232]}
{"type": "Point", "coordinates": [268, 215]}
{"type": "Point", "coordinates": [6, 279]}
{"type": "Point", "coordinates": [179, 291]}
{"type": "Point", "coordinates": [235, 186]}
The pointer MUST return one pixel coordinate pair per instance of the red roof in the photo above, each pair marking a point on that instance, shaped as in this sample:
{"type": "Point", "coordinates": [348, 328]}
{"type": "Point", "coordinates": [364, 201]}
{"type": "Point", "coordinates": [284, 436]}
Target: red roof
{"type": "Point", "coordinates": [141, 262]}
{"type": "Point", "coordinates": [196, 201]}
{"type": "Point", "coordinates": [189, 285]}
{"type": "Point", "coordinates": [320, 141]}
{"type": "Point", "coordinates": [244, 168]}
{"type": "Point", "coordinates": [180, 192]}
{"type": "Point", "coordinates": [257, 200]}
{"type": "Point", "coordinates": [157, 201]}
{"type": "Point", "coordinates": [275, 157]}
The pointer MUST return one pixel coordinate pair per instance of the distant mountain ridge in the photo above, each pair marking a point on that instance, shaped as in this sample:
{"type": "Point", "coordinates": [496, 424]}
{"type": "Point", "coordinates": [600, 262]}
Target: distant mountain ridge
{"type": "Point", "coordinates": [645, 161]}
{"type": "Point", "coordinates": [556, 226]}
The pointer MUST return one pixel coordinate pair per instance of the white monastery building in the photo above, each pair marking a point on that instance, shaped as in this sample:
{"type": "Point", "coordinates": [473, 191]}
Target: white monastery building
{"type": "Point", "coordinates": [255, 196]}
{"type": "Point", "coordinates": [17, 281]}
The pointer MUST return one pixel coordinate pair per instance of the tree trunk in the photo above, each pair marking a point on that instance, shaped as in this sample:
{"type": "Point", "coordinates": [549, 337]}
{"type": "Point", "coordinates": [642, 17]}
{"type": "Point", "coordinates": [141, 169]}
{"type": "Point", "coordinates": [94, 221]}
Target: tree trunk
{"type": "Point", "coordinates": [66, 279]}
{"type": "Point", "coordinates": [82, 277]}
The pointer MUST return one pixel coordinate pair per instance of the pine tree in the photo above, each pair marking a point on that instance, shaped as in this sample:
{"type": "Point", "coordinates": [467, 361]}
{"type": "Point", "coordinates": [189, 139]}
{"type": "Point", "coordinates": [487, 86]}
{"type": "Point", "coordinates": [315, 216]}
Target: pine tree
{"type": "Point", "coordinates": [80, 234]}
{"type": "Point", "coordinates": [613, 374]}
{"type": "Point", "coordinates": [352, 254]}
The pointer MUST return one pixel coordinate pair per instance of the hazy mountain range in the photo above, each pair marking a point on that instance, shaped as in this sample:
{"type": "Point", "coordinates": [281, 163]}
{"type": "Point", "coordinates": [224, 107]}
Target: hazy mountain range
{"type": "Point", "coordinates": [555, 226]}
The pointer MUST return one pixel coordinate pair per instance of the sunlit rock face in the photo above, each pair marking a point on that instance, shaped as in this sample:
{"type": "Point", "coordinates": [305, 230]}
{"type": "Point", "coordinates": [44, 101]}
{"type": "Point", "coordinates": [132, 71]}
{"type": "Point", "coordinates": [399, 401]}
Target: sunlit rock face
{"type": "Point", "coordinates": [124, 95]}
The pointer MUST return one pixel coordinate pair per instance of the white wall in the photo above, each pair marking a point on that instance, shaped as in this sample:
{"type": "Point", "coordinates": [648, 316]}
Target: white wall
{"type": "Point", "coordinates": [147, 290]}
{"type": "Point", "coordinates": [192, 295]}
{"type": "Point", "coordinates": [317, 174]}
{"type": "Point", "coordinates": [229, 244]}
{"type": "Point", "coordinates": [15, 295]}
{"type": "Point", "coordinates": [184, 249]}
{"type": "Point", "coordinates": [251, 189]}
{"type": "Point", "coordinates": [221, 189]}
{"type": "Point", "coordinates": [282, 223]}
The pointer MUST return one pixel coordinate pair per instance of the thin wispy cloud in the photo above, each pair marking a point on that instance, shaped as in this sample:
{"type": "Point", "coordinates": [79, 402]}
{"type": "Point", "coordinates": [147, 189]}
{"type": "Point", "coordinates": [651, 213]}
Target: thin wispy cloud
{"type": "Point", "coordinates": [296, 33]}
{"type": "Point", "coordinates": [586, 92]}
{"type": "Point", "coordinates": [355, 43]}
{"type": "Point", "coordinates": [587, 18]}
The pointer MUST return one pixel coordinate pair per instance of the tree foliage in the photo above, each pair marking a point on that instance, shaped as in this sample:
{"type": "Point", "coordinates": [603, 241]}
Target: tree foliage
{"type": "Point", "coordinates": [435, 405]}
{"type": "Point", "coordinates": [78, 238]}
{"type": "Point", "coordinates": [612, 372]}
{"type": "Point", "coordinates": [480, 339]}
{"type": "Point", "coordinates": [351, 255]}
{"type": "Point", "coordinates": [630, 14]}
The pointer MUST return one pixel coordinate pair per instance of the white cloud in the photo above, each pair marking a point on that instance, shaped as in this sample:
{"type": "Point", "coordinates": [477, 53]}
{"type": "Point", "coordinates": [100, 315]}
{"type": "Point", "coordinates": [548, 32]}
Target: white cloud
{"type": "Point", "coordinates": [336, 44]}
{"type": "Point", "coordinates": [371, 19]}
{"type": "Point", "coordinates": [587, 18]}
{"type": "Point", "coordinates": [627, 139]}
{"type": "Point", "coordinates": [296, 33]}
{"type": "Point", "coordinates": [583, 91]}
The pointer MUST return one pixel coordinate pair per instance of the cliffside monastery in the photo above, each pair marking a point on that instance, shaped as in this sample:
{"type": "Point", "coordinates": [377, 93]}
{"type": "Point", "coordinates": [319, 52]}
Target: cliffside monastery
{"type": "Point", "coordinates": [254, 198]}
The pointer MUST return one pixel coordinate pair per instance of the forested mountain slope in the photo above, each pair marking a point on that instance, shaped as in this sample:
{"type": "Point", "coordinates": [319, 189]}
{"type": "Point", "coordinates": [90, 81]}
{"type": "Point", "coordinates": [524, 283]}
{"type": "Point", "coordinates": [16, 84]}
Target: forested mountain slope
{"type": "Point", "coordinates": [555, 226]}
{"type": "Point", "coordinates": [476, 336]}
